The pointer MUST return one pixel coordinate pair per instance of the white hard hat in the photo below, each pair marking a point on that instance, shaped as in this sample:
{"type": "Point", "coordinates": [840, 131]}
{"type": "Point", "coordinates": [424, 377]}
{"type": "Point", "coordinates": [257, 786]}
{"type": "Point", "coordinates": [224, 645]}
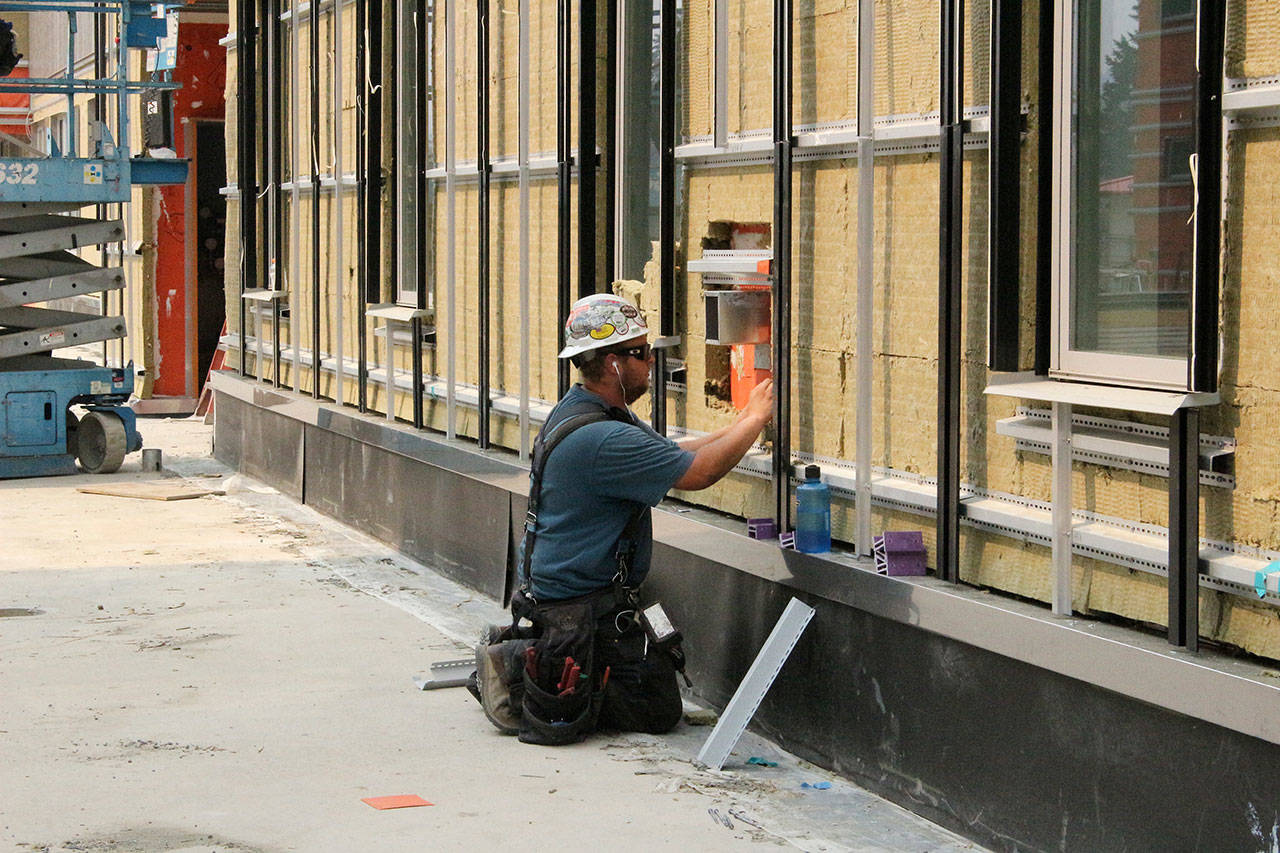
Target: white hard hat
{"type": "Point", "coordinates": [601, 320]}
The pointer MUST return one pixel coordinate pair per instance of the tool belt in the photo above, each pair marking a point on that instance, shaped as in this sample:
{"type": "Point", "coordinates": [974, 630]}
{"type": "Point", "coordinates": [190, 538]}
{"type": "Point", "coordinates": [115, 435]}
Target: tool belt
{"type": "Point", "coordinates": [568, 666]}
{"type": "Point", "coordinates": [561, 683]}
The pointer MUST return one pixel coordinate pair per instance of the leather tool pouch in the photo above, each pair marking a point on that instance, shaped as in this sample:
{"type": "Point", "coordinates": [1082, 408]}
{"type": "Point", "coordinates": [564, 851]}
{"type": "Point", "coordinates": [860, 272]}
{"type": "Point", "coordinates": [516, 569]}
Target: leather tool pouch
{"type": "Point", "coordinates": [561, 683]}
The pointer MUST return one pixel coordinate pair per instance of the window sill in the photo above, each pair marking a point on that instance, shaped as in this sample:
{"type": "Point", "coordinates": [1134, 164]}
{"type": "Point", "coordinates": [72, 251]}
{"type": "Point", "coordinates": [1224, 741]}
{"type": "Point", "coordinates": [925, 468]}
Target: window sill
{"type": "Point", "coordinates": [394, 312]}
{"type": "Point", "coordinates": [1029, 386]}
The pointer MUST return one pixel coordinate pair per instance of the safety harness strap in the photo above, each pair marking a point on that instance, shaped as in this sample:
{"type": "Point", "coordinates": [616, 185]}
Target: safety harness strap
{"type": "Point", "coordinates": [565, 421]}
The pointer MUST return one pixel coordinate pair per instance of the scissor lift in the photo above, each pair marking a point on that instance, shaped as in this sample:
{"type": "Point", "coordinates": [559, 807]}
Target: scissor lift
{"type": "Point", "coordinates": [41, 233]}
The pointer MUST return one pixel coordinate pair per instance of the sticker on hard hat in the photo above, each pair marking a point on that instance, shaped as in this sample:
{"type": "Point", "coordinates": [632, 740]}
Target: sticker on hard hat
{"type": "Point", "coordinates": [600, 320]}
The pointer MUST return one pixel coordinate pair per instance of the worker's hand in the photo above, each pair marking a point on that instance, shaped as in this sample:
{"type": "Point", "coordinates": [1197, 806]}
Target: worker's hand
{"type": "Point", "coordinates": [760, 404]}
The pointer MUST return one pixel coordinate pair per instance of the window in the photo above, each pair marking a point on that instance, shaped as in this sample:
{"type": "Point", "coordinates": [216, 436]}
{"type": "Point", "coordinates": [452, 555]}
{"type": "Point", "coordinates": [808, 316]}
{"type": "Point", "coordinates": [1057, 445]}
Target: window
{"type": "Point", "coordinates": [1124, 198]}
{"type": "Point", "coordinates": [57, 138]}
{"type": "Point", "coordinates": [409, 152]}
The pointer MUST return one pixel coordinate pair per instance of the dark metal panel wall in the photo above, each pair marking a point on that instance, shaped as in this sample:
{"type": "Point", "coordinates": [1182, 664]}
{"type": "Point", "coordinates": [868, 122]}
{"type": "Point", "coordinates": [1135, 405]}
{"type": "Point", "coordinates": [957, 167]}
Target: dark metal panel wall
{"type": "Point", "coordinates": [259, 443]}
{"type": "Point", "coordinates": [453, 523]}
{"type": "Point", "coordinates": [1003, 752]}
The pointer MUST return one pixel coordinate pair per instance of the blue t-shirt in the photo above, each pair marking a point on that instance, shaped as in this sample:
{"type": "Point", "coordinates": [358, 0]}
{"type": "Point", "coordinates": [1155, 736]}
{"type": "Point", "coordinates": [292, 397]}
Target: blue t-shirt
{"type": "Point", "coordinates": [593, 482]}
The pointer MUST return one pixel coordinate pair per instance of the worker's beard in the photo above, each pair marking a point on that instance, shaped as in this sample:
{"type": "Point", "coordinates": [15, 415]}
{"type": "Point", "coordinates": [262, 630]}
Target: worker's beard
{"type": "Point", "coordinates": [632, 393]}
{"type": "Point", "coordinates": [635, 393]}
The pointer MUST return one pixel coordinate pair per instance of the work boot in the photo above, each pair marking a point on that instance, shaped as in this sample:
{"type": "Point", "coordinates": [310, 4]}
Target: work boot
{"type": "Point", "coordinates": [493, 682]}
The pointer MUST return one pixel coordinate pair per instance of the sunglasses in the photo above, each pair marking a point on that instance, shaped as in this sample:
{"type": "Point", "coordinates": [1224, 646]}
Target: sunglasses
{"type": "Point", "coordinates": [641, 352]}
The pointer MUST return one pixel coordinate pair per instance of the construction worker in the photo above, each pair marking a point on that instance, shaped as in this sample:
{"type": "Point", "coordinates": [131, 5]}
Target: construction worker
{"type": "Point", "coordinates": [589, 656]}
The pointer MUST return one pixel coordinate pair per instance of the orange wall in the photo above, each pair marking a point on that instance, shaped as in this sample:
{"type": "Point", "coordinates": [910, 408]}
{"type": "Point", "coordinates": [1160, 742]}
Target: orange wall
{"type": "Point", "coordinates": [201, 68]}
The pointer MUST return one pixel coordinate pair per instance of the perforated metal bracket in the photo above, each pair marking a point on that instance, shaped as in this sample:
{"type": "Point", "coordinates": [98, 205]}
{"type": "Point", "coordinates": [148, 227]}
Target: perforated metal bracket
{"type": "Point", "coordinates": [446, 673]}
{"type": "Point", "coordinates": [759, 678]}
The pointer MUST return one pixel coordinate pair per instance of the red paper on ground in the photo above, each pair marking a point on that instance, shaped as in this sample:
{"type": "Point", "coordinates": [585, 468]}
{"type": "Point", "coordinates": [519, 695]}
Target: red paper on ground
{"type": "Point", "coordinates": [398, 801]}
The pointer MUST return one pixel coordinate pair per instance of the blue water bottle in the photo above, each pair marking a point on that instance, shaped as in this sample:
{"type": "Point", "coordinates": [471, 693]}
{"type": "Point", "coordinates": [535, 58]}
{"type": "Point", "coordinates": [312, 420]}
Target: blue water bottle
{"type": "Point", "coordinates": [813, 513]}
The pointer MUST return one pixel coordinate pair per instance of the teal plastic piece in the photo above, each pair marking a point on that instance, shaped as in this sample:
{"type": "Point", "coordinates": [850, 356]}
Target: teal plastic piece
{"type": "Point", "coordinates": [153, 171]}
{"type": "Point", "coordinates": [1260, 578]}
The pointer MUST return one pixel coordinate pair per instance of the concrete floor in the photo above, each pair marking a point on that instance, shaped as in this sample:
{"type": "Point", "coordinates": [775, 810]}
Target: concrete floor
{"type": "Point", "coordinates": [235, 673]}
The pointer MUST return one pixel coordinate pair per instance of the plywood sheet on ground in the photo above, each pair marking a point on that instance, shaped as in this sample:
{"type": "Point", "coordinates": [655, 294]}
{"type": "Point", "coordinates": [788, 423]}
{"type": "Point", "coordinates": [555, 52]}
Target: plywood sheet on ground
{"type": "Point", "coordinates": [151, 491]}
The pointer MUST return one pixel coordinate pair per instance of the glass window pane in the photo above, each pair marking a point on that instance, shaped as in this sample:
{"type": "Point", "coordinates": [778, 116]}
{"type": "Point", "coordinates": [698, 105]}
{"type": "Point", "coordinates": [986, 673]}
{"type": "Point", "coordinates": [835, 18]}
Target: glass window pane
{"type": "Point", "coordinates": [1132, 194]}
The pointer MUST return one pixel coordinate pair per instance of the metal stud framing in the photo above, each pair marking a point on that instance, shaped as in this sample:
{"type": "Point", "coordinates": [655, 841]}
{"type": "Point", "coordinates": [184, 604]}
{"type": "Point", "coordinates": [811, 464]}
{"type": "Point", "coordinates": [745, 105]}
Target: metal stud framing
{"type": "Point", "coordinates": [362, 130]}
{"type": "Point", "coordinates": [451, 181]}
{"type": "Point", "coordinates": [339, 212]}
{"type": "Point", "coordinates": [783, 143]}
{"type": "Point", "coordinates": [482, 165]}
{"type": "Point", "coordinates": [587, 231]}
{"type": "Point", "coordinates": [246, 165]}
{"type": "Point", "coordinates": [666, 205]}
{"type": "Point", "coordinates": [866, 266]}
{"type": "Point", "coordinates": [1004, 186]}
{"type": "Point", "coordinates": [295, 194]}
{"type": "Point", "coordinates": [314, 78]}
{"type": "Point", "coordinates": [950, 289]}
{"type": "Point", "coordinates": [564, 56]}
{"type": "Point", "coordinates": [421, 97]}
{"type": "Point", "coordinates": [275, 169]}
{"type": "Point", "coordinates": [1044, 190]}
{"type": "Point", "coordinates": [610, 165]}
{"type": "Point", "coordinates": [1184, 529]}
{"type": "Point", "coordinates": [522, 156]}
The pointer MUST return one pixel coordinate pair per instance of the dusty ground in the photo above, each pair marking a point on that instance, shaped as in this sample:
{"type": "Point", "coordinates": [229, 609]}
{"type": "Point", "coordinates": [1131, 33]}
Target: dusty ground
{"type": "Point", "coordinates": [235, 673]}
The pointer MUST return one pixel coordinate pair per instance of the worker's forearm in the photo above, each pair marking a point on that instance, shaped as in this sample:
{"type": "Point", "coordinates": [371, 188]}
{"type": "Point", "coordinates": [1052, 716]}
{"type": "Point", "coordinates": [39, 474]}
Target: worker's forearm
{"type": "Point", "coordinates": [718, 456]}
{"type": "Point", "coordinates": [697, 442]}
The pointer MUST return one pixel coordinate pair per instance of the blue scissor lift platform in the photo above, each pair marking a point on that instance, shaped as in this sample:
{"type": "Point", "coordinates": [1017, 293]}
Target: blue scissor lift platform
{"type": "Point", "coordinates": [41, 234]}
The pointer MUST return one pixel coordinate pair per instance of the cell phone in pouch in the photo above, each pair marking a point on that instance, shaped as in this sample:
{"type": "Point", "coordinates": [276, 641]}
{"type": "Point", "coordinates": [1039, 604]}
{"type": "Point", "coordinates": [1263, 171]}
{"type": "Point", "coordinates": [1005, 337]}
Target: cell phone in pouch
{"type": "Point", "coordinates": [656, 624]}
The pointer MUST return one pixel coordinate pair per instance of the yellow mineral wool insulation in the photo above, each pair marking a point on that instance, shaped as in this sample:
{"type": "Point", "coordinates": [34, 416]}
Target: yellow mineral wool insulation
{"type": "Point", "coordinates": [820, 424]}
{"type": "Point", "coordinates": [1251, 625]}
{"type": "Point", "coordinates": [907, 56]}
{"type": "Point", "coordinates": [749, 75]}
{"type": "Point", "coordinates": [504, 81]}
{"type": "Point", "coordinates": [231, 265]}
{"type": "Point", "coordinates": [1258, 447]}
{"type": "Point", "coordinates": [696, 70]}
{"type": "Point", "coordinates": [1252, 39]}
{"type": "Point", "coordinates": [736, 494]}
{"type": "Point", "coordinates": [506, 351]}
{"type": "Point", "coordinates": [977, 51]}
{"type": "Point", "coordinates": [904, 414]}
{"type": "Point", "coordinates": [1133, 594]}
{"type": "Point", "coordinates": [999, 562]}
{"type": "Point", "coordinates": [825, 69]}
{"type": "Point", "coordinates": [906, 245]}
{"type": "Point", "coordinates": [989, 459]}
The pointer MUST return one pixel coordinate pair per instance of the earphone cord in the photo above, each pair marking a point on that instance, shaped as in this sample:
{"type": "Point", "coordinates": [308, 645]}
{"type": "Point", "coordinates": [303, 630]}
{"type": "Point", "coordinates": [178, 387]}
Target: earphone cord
{"type": "Point", "coordinates": [623, 386]}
